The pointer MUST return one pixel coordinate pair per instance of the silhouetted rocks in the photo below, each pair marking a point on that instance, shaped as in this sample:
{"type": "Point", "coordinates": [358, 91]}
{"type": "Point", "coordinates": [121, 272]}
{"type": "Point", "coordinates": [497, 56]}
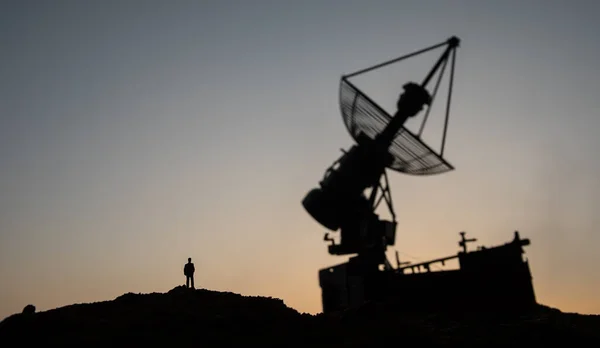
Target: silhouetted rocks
{"type": "Point", "coordinates": [29, 309]}
{"type": "Point", "coordinates": [212, 319]}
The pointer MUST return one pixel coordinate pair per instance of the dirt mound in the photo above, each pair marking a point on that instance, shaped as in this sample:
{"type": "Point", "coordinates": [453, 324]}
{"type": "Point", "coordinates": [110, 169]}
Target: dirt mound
{"type": "Point", "coordinates": [210, 318]}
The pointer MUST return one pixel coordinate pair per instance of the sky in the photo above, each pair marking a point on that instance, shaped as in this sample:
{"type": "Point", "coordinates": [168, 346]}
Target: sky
{"type": "Point", "coordinates": [136, 134]}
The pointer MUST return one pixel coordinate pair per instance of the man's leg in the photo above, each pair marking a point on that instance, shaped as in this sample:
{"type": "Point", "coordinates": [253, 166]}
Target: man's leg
{"type": "Point", "coordinates": [192, 282]}
{"type": "Point", "coordinates": [187, 281]}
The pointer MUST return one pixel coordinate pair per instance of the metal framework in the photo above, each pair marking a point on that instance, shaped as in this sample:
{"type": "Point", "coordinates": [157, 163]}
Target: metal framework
{"type": "Point", "coordinates": [495, 277]}
{"type": "Point", "coordinates": [382, 142]}
{"type": "Point", "coordinates": [410, 154]}
{"type": "Point", "coordinates": [362, 115]}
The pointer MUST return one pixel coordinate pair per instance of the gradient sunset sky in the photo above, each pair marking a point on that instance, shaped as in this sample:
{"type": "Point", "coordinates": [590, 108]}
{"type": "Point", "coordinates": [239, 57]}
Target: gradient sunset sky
{"type": "Point", "coordinates": [136, 134]}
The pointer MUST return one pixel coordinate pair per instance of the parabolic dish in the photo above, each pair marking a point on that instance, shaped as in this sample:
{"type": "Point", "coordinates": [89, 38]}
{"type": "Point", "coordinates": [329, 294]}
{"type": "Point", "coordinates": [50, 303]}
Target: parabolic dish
{"type": "Point", "coordinates": [411, 155]}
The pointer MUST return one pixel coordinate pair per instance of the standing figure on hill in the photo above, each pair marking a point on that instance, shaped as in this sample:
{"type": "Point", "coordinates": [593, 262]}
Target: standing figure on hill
{"type": "Point", "coordinates": [188, 271]}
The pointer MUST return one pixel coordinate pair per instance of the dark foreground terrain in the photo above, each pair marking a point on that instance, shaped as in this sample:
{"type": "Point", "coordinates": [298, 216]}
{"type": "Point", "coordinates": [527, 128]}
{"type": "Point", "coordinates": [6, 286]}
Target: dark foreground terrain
{"type": "Point", "coordinates": [206, 318]}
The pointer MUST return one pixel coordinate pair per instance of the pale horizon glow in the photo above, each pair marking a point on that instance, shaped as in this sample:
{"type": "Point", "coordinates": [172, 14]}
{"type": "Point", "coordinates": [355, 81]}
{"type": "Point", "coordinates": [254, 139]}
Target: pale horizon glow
{"type": "Point", "coordinates": [135, 135]}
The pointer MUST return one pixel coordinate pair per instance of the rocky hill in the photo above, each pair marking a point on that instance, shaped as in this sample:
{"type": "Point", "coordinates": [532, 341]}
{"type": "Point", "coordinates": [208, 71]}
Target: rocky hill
{"type": "Point", "coordinates": [184, 317]}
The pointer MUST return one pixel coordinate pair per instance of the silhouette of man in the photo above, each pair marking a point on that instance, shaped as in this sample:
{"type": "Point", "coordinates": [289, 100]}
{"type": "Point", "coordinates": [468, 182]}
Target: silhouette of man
{"type": "Point", "coordinates": [189, 270]}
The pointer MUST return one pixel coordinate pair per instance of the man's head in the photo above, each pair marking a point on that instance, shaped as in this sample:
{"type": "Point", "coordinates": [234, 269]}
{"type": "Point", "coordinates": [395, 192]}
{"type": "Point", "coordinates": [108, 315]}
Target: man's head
{"type": "Point", "coordinates": [189, 259]}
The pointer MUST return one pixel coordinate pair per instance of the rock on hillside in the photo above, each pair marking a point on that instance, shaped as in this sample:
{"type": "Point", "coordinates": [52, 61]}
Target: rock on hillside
{"type": "Point", "coordinates": [213, 319]}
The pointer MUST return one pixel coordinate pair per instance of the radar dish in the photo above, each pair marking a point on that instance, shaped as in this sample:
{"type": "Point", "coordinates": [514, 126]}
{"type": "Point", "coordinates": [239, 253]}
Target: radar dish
{"type": "Point", "coordinates": [362, 115]}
